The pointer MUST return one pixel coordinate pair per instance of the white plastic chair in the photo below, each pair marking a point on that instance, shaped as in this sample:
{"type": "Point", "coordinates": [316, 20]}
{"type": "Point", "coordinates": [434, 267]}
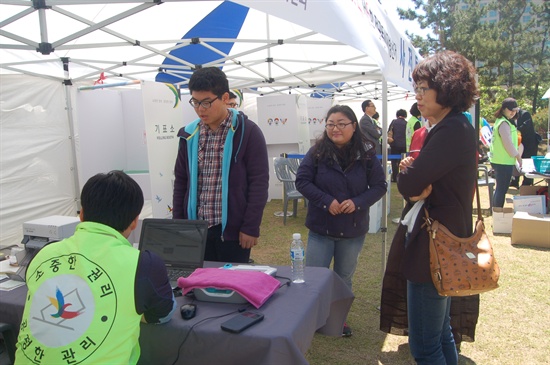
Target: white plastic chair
{"type": "Point", "coordinates": [284, 170]}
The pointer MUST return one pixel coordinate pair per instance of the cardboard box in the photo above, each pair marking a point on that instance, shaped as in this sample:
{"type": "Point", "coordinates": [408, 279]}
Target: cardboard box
{"type": "Point", "coordinates": [502, 220]}
{"type": "Point", "coordinates": [531, 229]}
{"type": "Point", "coordinates": [534, 204]}
{"type": "Point", "coordinates": [532, 190]}
{"type": "Point", "coordinates": [529, 190]}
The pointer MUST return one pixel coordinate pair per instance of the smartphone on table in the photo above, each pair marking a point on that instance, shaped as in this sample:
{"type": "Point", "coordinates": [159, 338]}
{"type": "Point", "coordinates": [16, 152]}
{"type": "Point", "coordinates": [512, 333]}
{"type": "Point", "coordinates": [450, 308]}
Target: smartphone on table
{"type": "Point", "coordinates": [242, 321]}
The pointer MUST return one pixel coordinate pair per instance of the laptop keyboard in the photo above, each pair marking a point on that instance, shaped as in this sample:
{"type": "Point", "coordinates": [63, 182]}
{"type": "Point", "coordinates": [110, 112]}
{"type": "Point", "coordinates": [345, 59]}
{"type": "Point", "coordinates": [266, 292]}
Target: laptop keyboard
{"type": "Point", "coordinates": [174, 274]}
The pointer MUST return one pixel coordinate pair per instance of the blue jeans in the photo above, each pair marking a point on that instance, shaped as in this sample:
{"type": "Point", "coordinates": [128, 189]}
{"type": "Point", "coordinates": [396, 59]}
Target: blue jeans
{"type": "Point", "coordinates": [321, 249]}
{"type": "Point", "coordinates": [430, 338]}
{"type": "Point", "coordinates": [503, 175]}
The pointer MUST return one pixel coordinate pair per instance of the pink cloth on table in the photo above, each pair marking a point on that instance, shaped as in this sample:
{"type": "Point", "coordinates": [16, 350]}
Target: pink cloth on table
{"type": "Point", "coordinates": [254, 286]}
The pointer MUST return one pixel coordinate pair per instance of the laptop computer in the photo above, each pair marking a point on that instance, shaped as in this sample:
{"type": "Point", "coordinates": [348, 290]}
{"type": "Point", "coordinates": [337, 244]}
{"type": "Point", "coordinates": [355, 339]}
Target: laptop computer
{"type": "Point", "coordinates": [179, 242]}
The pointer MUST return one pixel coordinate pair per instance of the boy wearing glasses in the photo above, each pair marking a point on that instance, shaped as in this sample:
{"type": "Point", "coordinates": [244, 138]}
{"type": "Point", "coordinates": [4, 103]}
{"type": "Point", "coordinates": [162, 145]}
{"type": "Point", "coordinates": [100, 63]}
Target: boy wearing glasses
{"type": "Point", "coordinates": [221, 171]}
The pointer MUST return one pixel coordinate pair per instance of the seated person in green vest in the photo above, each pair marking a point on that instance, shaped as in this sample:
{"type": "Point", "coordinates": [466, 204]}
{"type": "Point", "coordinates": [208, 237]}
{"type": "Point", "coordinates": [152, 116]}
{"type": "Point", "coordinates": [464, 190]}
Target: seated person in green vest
{"type": "Point", "coordinates": [88, 293]}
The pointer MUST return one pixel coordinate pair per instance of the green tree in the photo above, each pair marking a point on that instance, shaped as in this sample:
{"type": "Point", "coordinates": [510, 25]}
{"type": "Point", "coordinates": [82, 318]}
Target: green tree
{"type": "Point", "coordinates": [511, 54]}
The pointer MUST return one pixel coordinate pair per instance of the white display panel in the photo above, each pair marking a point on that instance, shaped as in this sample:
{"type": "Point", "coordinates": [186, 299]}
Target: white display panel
{"type": "Point", "coordinates": [278, 118]}
{"type": "Point", "coordinates": [163, 114]}
{"type": "Point", "coordinates": [317, 112]}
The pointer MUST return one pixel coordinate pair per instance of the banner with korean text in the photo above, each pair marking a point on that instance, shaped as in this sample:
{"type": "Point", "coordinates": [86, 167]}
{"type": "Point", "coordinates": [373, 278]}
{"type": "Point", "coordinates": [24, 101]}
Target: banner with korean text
{"type": "Point", "coordinates": [163, 118]}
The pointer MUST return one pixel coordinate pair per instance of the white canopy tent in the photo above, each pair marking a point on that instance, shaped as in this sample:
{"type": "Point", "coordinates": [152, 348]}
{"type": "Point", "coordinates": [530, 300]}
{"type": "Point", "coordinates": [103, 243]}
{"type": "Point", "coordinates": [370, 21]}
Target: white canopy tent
{"type": "Point", "coordinates": [282, 45]}
{"type": "Point", "coordinates": [348, 49]}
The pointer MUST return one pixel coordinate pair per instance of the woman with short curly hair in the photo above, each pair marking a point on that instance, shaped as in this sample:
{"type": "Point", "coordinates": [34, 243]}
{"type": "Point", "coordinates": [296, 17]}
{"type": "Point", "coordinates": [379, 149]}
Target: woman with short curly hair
{"type": "Point", "coordinates": [440, 179]}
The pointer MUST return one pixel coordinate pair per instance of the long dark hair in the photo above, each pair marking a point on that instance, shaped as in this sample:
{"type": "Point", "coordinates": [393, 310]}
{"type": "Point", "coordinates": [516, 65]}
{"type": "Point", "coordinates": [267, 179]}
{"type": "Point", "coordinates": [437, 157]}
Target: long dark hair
{"type": "Point", "coordinates": [358, 148]}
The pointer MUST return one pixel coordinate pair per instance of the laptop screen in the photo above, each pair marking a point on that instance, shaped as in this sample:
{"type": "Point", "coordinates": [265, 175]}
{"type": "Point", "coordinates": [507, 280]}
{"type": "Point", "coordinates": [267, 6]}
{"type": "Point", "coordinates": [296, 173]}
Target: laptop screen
{"type": "Point", "coordinates": [179, 242]}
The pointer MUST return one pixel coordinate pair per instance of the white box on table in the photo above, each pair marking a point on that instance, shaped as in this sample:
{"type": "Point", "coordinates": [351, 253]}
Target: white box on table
{"type": "Point", "coordinates": [534, 204]}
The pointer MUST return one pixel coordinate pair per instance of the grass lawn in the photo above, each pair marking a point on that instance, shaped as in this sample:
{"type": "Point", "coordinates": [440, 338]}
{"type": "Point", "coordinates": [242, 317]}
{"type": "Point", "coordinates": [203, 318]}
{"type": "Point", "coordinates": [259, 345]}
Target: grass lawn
{"type": "Point", "coordinates": [514, 321]}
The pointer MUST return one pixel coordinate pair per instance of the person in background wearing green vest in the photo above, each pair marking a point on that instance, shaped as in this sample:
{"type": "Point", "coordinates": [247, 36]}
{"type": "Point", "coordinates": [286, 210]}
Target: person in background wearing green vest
{"type": "Point", "coordinates": [413, 124]}
{"type": "Point", "coordinates": [504, 149]}
{"type": "Point", "coordinates": [87, 294]}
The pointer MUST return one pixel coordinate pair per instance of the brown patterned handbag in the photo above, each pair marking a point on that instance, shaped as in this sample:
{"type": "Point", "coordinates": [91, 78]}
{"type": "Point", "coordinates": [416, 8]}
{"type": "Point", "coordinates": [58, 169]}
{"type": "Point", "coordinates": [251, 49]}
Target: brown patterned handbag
{"type": "Point", "coordinates": [461, 266]}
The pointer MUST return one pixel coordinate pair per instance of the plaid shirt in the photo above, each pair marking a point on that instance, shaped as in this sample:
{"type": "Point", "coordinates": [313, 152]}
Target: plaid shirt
{"type": "Point", "coordinates": [210, 156]}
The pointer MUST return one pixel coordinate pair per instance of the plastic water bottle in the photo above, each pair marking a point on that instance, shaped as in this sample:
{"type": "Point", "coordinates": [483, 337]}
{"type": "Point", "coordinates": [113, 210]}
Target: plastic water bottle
{"type": "Point", "coordinates": [297, 258]}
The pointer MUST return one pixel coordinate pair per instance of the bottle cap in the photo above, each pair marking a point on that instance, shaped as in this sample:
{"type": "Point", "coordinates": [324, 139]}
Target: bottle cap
{"type": "Point", "coordinates": [296, 236]}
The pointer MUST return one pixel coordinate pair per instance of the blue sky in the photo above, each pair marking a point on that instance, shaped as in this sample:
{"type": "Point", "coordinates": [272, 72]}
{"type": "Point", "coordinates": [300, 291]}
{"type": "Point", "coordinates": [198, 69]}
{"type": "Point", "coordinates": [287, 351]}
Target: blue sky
{"type": "Point", "coordinates": [410, 26]}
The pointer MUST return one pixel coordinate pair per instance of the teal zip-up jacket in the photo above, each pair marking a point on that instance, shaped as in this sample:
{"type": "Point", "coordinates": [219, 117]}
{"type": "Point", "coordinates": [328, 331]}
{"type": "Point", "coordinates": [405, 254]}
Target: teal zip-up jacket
{"type": "Point", "coordinates": [245, 176]}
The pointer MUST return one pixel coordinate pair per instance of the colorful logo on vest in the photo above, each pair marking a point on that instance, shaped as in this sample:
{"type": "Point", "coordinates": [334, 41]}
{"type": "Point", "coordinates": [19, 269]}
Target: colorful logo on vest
{"type": "Point", "coordinates": [51, 321]}
{"type": "Point", "coordinates": [59, 303]}
{"type": "Point", "coordinates": [72, 310]}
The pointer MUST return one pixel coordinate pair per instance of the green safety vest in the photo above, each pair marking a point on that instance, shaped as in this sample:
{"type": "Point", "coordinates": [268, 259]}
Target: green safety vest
{"type": "Point", "coordinates": [499, 155]}
{"type": "Point", "coordinates": [80, 306]}
{"type": "Point", "coordinates": [410, 130]}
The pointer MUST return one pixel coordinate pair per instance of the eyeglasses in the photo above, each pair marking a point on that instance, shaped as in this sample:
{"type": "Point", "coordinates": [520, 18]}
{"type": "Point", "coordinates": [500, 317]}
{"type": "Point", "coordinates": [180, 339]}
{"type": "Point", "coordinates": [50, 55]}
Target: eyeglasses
{"type": "Point", "coordinates": [421, 90]}
{"type": "Point", "coordinates": [513, 109]}
{"type": "Point", "coordinates": [339, 126]}
{"type": "Point", "coordinates": [371, 106]}
{"type": "Point", "coordinates": [232, 105]}
{"type": "Point", "coordinates": [204, 103]}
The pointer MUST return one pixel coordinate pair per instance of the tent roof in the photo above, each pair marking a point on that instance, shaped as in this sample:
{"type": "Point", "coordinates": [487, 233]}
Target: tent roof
{"type": "Point", "coordinates": [294, 50]}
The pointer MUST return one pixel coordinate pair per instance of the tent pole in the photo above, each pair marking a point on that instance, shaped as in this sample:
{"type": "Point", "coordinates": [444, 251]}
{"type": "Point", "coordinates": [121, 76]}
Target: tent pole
{"type": "Point", "coordinates": [70, 116]}
{"type": "Point", "coordinates": [384, 166]}
{"type": "Point", "coordinates": [74, 167]}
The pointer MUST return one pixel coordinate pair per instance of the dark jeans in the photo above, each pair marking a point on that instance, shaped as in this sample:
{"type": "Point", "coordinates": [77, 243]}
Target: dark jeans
{"type": "Point", "coordinates": [224, 251]}
{"type": "Point", "coordinates": [503, 175]}
{"type": "Point", "coordinates": [430, 339]}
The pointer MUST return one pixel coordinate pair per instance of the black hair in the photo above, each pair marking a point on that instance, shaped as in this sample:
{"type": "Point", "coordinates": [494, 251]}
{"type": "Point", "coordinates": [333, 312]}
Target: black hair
{"type": "Point", "coordinates": [401, 113]}
{"type": "Point", "coordinates": [232, 95]}
{"type": "Point", "coordinates": [358, 147]}
{"type": "Point", "coordinates": [414, 110]}
{"type": "Point", "coordinates": [507, 103]}
{"type": "Point", "coordinates": [375, 116]}
{"type": "Point", "coordinates": [365, 104]}
{"type": "Point", "coordinates": [209, 79]}
{"type": "Point", "coordinates": [113, 199]}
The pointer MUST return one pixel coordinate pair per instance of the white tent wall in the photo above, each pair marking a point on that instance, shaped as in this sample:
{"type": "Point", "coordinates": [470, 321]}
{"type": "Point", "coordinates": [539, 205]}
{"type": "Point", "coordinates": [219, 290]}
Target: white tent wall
{"type": "Point", "coordinates": [101, 133]}
{"type": "Point", "coordinates": [134, 131]}
{"type": "Point", "coordinates": [36, 169]}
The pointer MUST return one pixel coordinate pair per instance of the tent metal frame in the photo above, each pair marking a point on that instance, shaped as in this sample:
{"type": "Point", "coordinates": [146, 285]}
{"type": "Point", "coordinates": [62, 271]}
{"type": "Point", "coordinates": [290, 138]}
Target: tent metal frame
{"type": "Point", "coordinates": [359, 72]}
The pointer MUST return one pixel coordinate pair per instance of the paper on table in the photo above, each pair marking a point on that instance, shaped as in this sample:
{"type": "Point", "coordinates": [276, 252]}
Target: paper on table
{"type": "Point", "coordinates": [10, 284]}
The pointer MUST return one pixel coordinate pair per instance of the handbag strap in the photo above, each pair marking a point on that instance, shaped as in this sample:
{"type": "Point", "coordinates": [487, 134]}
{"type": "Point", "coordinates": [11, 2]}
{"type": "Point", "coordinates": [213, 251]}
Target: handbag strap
{"type": "Point", "coordinates": [429, 221]}
{"type": "Point", "coordinates": [479, 216]}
